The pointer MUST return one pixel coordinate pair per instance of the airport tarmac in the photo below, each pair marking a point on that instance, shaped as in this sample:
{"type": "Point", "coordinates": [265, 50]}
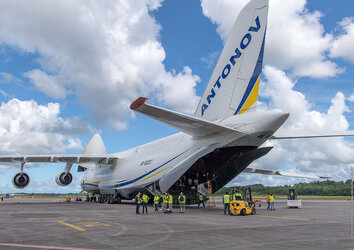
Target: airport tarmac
{"type": "Point", "coordinates": [52, 224]}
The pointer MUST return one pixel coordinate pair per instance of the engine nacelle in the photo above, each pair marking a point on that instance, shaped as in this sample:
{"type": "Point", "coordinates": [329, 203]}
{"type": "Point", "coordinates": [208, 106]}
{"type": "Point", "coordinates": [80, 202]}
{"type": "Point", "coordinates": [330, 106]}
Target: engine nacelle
{"type": "Point", "coordinates": [63, 178]}
{"type": "Point", "coordinates": [20, 180]}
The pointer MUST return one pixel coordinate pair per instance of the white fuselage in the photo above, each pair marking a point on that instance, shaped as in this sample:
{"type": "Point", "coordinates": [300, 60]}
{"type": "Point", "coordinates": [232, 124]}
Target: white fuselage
{"type": "Point", "coordinates": [140, 166]}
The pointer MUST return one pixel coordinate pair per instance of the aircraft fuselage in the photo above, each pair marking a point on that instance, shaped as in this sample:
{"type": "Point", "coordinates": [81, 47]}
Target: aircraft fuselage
{"type": "Point", "coordinates": [146, 164]}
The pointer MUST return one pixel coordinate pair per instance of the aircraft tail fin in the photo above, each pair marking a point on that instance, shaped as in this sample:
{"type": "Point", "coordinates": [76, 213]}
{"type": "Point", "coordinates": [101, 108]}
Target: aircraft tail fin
{"type": "Point", "coordinates": [95, 146]}
{"type": "Point", "coordinates": [234, 83]}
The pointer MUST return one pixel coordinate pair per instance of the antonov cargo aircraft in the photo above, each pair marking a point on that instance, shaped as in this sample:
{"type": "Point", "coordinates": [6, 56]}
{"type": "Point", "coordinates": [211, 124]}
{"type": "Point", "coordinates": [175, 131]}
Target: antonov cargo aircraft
{"type": "Point", "coordinates": [215, 145]}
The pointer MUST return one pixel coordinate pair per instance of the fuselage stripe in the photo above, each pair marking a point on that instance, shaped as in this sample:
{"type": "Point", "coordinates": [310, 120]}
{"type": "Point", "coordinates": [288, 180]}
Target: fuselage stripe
{"type": "Point", "coordinates": [155, 174]}
{"type": "Point", "coordinates": [140, 177]}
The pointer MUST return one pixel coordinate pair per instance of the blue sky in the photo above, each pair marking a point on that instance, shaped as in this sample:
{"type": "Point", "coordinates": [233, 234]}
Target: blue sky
{"type": "Point", "coordinates": [91, 64]}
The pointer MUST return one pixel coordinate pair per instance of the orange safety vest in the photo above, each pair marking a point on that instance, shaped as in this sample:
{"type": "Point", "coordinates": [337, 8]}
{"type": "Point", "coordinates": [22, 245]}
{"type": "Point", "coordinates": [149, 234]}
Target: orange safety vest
{"type": "Point", "coordinates": [268, 199]}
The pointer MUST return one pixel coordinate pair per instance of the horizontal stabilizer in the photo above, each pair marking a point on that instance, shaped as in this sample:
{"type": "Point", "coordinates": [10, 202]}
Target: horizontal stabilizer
{"type": "Point", "coordinates": [75, 159]}
{"type": "Point", "coordinates": [187, 124]}
{"type": "Point", "coordinates": [294, 134]}
{"type": "Point", "coordinates": [280, 173]}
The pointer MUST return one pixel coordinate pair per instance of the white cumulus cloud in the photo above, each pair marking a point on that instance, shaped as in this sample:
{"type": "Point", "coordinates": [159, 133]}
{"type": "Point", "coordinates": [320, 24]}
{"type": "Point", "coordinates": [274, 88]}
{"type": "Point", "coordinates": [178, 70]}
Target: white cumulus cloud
{"type": "Point", "coordinates": [343, 45]}
{"type": "Point", "coordinates": [47, 84]}
{"type": "Point", "coordinates": [351, 98]}
{"type": "Point", "coordinates": [105, 53]}
{"type": "Point", "coordinates": [29, 128]}
{"type": "Point", "coordinates": [327, 155]}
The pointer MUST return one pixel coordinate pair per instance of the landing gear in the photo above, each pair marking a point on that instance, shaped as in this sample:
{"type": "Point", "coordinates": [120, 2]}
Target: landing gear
{"type": "Point", "coordinates": [110, 198]}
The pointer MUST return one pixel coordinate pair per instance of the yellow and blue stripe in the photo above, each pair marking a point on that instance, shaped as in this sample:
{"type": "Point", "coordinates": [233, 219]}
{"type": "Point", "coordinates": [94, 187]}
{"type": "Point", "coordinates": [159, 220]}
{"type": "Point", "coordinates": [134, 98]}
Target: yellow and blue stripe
{"type": "Point", "coordinates": [124, 183]}
{"type": "Point", "coordinates": [251, 94]}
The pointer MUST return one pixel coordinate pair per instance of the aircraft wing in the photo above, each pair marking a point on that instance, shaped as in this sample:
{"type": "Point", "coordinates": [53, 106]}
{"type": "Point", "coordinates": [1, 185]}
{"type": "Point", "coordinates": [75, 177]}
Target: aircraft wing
{"type": "Point", "coordinates": [187, 124]}
{"type": "Point", "coordinates": [294, 134]}
{"type": "Point", "coordinates": [75, 159]}
{"type": "Point", "coordinates": [280, 173]}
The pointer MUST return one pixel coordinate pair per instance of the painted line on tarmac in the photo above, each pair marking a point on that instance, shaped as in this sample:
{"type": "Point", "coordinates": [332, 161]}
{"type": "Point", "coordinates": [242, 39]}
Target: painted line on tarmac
{"type": "Point", "coordinates": [42, 247]}
{"type": "Point", "coordinates": [99, 214]}
{"type": "Point", "coordinates": [283, 217]}
{"type": "Point", "coordinates": [94, 224]}
{"type": "Point", "coordinates": [70, 225]}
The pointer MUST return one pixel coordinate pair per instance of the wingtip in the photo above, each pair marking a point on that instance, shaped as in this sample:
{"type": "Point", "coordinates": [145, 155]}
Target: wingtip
{"type": "Point", "coordinates": [138, 102]}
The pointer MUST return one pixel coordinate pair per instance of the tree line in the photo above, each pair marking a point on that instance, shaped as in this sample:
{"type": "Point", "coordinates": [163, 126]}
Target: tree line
{"type": "Point", "coordinates": [320, 188]}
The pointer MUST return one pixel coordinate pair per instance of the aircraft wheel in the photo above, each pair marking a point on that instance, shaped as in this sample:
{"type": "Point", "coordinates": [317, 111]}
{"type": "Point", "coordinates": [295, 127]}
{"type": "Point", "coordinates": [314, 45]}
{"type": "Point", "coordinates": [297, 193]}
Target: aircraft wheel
{"type": "Point", "coordinates": [118, 200]}
{"type": "Point", "coordinates": [243, 212]}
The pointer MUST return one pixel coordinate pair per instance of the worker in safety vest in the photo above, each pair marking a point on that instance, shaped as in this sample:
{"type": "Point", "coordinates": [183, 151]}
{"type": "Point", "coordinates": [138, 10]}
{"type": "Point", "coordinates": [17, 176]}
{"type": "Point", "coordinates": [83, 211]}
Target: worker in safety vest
{"type": "Point", "coordinates": [182, 202]}
{"type": "Point", "coordinates": [2, 197]}
{"type": "Point", "coordinates": [201, 200]}
{"type": "Point", "coordinates": [271, 199]}
{"type": "Point", "coordinates": [170, 202]}
{"type": "Point", "coordinates": [238, 195]}
{"type": "Point", "coordinates": [164, 202]}
{"type": "Point", "coordinates": [138, 201]}
{"type": "Point", "coordinates": [156, 202]}
{"type": "Point", "coordinates": [268, 201]}
{"type": "Point", "coordinates": [226, 201]}
{"type": "Point", "coordinates": [145, 202]}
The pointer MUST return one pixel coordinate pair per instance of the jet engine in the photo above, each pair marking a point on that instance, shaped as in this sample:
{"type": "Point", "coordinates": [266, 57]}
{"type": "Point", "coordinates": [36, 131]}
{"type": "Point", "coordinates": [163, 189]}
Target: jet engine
{"type": "Point", "coordinates": [21, 180]}
{"type": "Point", "coordinates": [63, 178]}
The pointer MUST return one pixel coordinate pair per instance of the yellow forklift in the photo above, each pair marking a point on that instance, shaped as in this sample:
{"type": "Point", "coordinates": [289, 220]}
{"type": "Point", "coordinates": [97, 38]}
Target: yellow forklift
{"type": "Point", "coordinates": [243, 205]}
